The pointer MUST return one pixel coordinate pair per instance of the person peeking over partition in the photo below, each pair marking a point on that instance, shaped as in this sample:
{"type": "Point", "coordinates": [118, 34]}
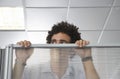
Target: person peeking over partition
{"type": "Point", "coordinates": [61, 33]}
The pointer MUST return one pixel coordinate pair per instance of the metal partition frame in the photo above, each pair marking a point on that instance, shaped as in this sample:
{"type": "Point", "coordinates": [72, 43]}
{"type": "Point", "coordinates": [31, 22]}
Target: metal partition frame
{"type": "Point", "coordinates": [2, 57]}
{"type": "Point", "coordinates": [0, 62]}
{"type": "Point", "coordinates": [7, 74]}
{"type": "Point", "coordinates": [68, 45]}
{"type": "Point", "coordinates": [9, 53]}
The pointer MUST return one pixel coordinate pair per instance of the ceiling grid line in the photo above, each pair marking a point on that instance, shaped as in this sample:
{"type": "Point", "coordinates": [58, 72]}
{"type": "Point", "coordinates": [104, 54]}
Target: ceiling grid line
{"type": "Point", "coordinates": [68, 9]}
{"type": "Point", "coordinates": [107, 19]}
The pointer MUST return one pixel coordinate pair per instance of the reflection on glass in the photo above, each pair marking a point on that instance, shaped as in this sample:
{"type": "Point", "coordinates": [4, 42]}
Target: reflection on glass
{"type": "Point", "coordinates": [58, 61]}
{"type": "Point", "coordinates": [65, 63]}
{"type": "Point", "coordinates": [54, 63]}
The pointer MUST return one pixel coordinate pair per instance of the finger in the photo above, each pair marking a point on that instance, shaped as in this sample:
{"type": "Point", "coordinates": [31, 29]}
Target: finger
{"type": "Point", "coordinates": [84, 43]}
{"type": "Point", "coordinates": [25, 43]}
{"type": "Point", "coordinates": [28, 43]}
{"type": "Point", "coordinates": [87, 42]}
{"type": "Point", "coordinates": [20, 43]}
{"type": "Point", "coordinates": [81, 43]}
{"type": "Point", "coordinates": [77, 42]}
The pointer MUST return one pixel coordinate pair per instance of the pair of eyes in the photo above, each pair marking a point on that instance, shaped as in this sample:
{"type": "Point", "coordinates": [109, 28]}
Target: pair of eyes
{"type": "Point", "coordinates": [60, 42]}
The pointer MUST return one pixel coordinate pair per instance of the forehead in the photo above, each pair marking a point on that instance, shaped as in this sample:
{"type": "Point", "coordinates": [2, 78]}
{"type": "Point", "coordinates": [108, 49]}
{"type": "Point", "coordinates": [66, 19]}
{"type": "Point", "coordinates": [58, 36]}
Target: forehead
{"type": "Point", "coordinates": [60, 36]}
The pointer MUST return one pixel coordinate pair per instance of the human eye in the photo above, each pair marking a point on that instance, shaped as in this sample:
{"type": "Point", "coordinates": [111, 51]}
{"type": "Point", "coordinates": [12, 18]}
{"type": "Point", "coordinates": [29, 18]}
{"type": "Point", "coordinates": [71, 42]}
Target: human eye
{"type": "Point", "coordinates": [63, 42]}
{"type": "Point", "coordinates": [53, 41]}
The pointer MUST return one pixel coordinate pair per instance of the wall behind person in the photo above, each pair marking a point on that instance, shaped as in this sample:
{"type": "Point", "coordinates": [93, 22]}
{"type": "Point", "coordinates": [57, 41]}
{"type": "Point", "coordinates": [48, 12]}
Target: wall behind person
{"type": "Point", "coordinates": [11, 37]}
{"type": "Point", "coordinates": [98, 20]}
{"type": "Point", "coordinates": [36, 37]}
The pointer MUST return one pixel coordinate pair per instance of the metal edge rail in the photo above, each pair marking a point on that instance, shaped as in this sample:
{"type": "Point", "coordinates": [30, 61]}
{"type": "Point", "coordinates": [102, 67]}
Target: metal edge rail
{"type": "Point", "coordinates": [8, 62]}
{"type": "Point", "coordinates": [68, 46]}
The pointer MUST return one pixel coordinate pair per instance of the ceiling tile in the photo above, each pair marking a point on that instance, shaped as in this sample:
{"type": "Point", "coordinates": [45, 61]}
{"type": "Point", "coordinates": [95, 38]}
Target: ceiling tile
{"type": "Point", "coordinates": [91, 36]}
{"type": "Point", "coordinates": [117, 3]}
{"type": "Point", "coordinates": [114, 20]}
{"type": "Point", "coordinates": [88, 18]}
{"type": "Point", "coordinates": [90, 3]}
{"type": "Point", "coordinates": [110, 37]}
{"type": "Point", "coordinates": [11, 3]}
{"type": "Point", "coordinates": [46, 3]}
{"type": "Point", "coordinates": [43, 19]}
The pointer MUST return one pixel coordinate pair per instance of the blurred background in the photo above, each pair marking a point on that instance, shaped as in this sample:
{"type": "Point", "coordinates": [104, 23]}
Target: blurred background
{"type": "Point", "coordinates": [98, 20]}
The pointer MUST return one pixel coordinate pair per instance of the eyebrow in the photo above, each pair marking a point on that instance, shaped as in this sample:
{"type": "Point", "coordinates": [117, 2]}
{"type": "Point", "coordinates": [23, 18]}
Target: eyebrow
{"type": "Point", "coordinates": [53, 40]}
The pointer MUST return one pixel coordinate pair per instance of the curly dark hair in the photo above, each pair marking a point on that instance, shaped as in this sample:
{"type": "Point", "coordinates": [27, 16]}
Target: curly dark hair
{"type": "Point", "coordinates": [64, 27]}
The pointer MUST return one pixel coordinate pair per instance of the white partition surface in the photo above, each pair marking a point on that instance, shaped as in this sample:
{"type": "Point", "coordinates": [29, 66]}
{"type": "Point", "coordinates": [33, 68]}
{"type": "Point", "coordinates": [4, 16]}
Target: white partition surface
{"type": "Point", "coordinates": [62, 59]}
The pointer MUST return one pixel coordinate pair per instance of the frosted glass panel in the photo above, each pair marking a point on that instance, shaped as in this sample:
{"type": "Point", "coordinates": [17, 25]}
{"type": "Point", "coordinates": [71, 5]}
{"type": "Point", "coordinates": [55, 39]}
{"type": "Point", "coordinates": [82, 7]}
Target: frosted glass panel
{"type": "Point", "coordinates": [106, 61]}
{"type": "Point", "coordinates": [0, 61]}
{"type": "Point", "coordinates": [54, 63]}
{"type": "Point", "coordinates": [65, 63]}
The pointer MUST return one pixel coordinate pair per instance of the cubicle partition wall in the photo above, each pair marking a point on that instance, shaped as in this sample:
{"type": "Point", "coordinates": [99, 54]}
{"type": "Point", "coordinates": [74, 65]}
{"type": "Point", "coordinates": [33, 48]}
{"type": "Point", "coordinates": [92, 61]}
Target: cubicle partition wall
{"type": "Point", "coordinates": [62, 60]}
{"type": "Point", "coordinates": [2, 62]}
